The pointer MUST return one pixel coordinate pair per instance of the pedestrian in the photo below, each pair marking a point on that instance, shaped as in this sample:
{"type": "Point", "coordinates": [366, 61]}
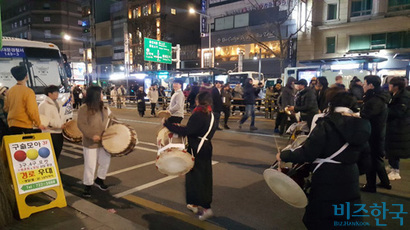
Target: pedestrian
{"type": "Point", "coordinates": [305, 102]}
{"type": "Point", "coordinates": [237, 98]}
{"type": "Point", "coordinates": [339, 82]}
{"type": "Point", "coordinates": [336, 148]}
{"type": "Point", "coordinates": [141, 101]}
{"type": "Point", "coordinates": [51, 109]}
{"type": "Point", "coordinates": [374, 109]}
{"type": "Point", "coordinates": [121, 95]}
{"type": "Point", "coordinates": [21, 105]}
{"type": "Point", "coordinates": [153, 98]}
{"type": "Point", "coordinates": [226, 104]}
{"type": "Point", "coordinates": [192, 95]}
{"type": "Point", "coordinates": [249, 101]}
{"type": "Point", "coordinates": [322, 87]}
{"type": "Point", "coordinates": [217, 105]}
{"type": "Point", "coordinates": [287, 99]}
{"type": "Point", "coordinates": [259, 95]}
{"type": "Point", "coordinates": [280, 113]}
{"type": "Point", "coordinates": [114, 96]}
{"type": "Point", "coordinates": [92, 120]}
{"type": "Point", "coordinates": [398, 126]}
{"type": "Point", "coordinates": [176, 106]}
{"type": "Point", "coordinates": [78, 95]}
{"type": "Point", "coordinates": [356, 88]}
{"type": "Point", "coordinates": [162, 99]}
{"type": "Point", "coordinates": [4, 127]}
{"type": "Point", "coordinates": [313, 83]}
{"type": "Point", "coordinates": [198, 181]}
{"type": "Point", "coordinates": [206, 86]}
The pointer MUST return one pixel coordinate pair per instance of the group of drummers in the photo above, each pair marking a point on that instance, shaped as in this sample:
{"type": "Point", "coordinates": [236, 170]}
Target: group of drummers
{"type": "Point", "coordinates": [337, 148]}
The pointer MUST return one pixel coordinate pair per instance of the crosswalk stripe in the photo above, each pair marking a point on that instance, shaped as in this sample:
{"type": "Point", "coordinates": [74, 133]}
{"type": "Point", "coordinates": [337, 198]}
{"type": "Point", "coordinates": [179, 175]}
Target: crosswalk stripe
{"type": "Point", "coordinates": [131, 168]}
{"type": "Point", "coordinates": [70, 155]}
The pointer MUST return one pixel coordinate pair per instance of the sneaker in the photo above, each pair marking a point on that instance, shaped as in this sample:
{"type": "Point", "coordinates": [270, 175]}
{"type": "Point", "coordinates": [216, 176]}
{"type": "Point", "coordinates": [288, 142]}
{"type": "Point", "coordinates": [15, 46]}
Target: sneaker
{"type": "Point", "coordinates": [394, 175]}
{"type": "Point", "coordinates": [226, 127]}
{"type": "Point", "coordinates": [366, 188]}
{"type": "Point", "coordinates": [100, 184]}
{"type": "Point", "coordinates": [193, 208]}
{"type": "Point", "coordinates": [253, 128]}
{"type": "Point", "coordinates": [87, 192]}
{"type": "Point", "coordinates": [207, 213]}
{"type": "Point", "coordinates": [385, 186]}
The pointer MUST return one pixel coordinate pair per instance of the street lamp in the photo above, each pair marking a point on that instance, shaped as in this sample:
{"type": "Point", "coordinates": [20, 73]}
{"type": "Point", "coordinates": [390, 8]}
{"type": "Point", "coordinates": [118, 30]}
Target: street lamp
{"type": "Point", "coordinates": [67, 37]}
{"type": "Point", "coordinates": [193, 11]}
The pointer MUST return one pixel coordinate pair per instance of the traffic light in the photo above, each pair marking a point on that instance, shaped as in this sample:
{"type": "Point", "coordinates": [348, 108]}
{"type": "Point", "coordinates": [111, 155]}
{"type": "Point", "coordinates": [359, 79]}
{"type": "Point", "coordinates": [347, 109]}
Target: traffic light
{"type": "Point", "coordinates": [87, 30]}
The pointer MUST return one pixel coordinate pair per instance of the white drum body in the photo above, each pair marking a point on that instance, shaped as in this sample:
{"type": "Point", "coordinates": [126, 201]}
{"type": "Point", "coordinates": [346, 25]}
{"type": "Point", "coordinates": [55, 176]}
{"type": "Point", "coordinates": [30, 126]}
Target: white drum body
{"type": "Point", "coordinates": [119, 139]}
{"type": "Point", "coordinates": [174, 162]}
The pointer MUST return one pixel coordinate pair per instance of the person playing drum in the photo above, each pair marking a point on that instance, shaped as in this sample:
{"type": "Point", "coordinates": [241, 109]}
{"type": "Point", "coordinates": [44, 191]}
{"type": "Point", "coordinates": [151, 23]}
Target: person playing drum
{"type": "Point", "coordinates": [92, 120]}
{"type": "Point", "coordinates": [198, 182]}
{"type": "Point", "coordinates": [338, 150]}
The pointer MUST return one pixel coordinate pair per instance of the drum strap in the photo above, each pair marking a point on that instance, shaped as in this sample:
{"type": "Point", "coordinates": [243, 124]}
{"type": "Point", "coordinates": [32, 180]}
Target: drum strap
{"type": "Point", "coordinates": [203, 139]}
{"type": "Point", "coordinates": [320, 161]}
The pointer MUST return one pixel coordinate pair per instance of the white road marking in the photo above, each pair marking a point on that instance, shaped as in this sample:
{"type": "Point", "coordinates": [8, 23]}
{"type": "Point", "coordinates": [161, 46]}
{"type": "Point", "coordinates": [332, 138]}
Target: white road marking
{"type": "Point", "coordinates": [144, 122]}
{"type": "Point", "coordinates": [147, 143]}
{"type": "Point", "coordinates": [73, 150]}
{"type": "Point", "coordinates": [146, 149]}
{"type": "Point", "coordinates": [130, 168]}
{"type": "Point", "coordinates": [150, 184]}
{"type": "Point", "coordinates": [255, 134]}
{"type": "Point", "coordinates": [70, 155]}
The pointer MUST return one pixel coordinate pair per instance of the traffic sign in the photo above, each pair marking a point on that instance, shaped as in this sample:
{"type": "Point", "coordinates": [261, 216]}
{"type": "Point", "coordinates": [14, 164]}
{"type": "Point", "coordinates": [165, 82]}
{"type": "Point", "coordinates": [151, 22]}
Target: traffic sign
{"type": "Point", "coordinates": [157, 51]}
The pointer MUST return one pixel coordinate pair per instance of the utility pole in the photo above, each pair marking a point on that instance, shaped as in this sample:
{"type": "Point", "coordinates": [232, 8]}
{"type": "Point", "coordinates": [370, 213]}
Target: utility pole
{"type": "Point", "coordinates": [177, 59]}
{"type": "Point", "coordinates": [260, 63]}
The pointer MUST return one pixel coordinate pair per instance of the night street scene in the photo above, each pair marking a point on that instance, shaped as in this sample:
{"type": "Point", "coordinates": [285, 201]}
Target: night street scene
{"type": "Point", "coordinates": [204, 114]}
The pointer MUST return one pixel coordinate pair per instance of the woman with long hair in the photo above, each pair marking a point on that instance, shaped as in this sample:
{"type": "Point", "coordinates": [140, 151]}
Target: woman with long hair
{"type": "Point", "coordinates": [337, 150]}
{"type": "Point", "coordinates": [92, 120]}
{"type": "Point", "coordinates": [198, 181]}
{"type": "Point", "coordinates": [322, 88]}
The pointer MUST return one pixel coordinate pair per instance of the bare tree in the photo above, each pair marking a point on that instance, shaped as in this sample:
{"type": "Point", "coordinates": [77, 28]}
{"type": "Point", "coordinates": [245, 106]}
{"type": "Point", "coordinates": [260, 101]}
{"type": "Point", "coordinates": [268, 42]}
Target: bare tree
{"type": "Point", "coordinates": [275, 27]}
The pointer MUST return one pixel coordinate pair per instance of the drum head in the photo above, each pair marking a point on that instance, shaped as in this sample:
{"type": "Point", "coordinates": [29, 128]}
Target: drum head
{"type": "Point", "coordinates": [285, 188]}
{"type": "Point", "coordinates": [175, 162]}
{"type": "Point", "coordinates": [164, 114]}
{"type": "Point", "coordinates": [117, 138]}
{"type": "Point", "coordinates": [44, 120]}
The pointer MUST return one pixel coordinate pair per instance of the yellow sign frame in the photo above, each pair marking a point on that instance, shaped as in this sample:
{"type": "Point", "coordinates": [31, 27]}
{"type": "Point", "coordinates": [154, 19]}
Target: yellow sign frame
{"type": "Point", "coordinates": [25, 210]}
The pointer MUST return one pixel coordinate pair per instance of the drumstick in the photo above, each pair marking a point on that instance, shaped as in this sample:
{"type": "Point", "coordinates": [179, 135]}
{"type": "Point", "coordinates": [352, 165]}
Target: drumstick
{"type": "Point", "coordinates": [108, 135]}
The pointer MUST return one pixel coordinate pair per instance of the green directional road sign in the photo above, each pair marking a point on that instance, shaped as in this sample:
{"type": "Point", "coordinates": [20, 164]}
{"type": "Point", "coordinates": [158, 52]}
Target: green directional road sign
{"type": "Point", "coordinates": [157, 51]}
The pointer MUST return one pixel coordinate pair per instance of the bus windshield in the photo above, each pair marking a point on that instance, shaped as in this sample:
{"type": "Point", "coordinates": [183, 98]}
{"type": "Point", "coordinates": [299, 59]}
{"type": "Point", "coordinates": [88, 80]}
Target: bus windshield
{"type": "Point", "coordinates": [45, 67]}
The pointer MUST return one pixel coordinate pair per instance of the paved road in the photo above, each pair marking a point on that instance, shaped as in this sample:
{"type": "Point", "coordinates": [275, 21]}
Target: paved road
{"type": "Point", "coordinates": [241, 198]}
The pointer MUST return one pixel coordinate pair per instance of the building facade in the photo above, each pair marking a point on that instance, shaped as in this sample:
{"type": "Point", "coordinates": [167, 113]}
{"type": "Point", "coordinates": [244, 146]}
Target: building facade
{"type": "Point", "coordinates": [244, 33]}
{"type": "Point", "coordinates": [47, 21]}
{"type": "Point", "coordinates": [360, 30]}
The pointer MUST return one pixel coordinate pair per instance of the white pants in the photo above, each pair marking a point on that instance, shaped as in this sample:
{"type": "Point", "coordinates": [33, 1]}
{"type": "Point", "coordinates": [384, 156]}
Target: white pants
{"type": "Point", "coordinates": [91, 157]}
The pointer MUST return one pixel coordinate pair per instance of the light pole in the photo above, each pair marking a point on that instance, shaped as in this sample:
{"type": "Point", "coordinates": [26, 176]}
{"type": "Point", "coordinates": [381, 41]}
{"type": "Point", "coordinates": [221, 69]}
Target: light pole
{"type": "Point", "coordinates": [193, 11]}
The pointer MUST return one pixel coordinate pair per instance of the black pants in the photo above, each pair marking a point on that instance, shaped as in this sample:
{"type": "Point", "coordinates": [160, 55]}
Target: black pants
{"type": "Point", "coordinates": [217, 116]}
{"type": "Point", "coordinates": [227, 113]}
{"type": "Point", "coordinates": [377, 169]}
{"type": "Point", "coordinates": [279, 118]}
{"type": "Point", "coordinates": [174, 119]}
{"type": "Point", "coordinates": [153, 105]}
{"type": "Point", "coordinates": [58, 141]}
{"type": "Point", "coordinates": [17, 130]}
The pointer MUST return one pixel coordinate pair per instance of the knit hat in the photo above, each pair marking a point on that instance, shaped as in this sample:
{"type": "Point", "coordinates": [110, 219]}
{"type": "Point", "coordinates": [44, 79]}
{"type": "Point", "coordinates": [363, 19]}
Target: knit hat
{"type": "Point", "coordinates": [19, 72]}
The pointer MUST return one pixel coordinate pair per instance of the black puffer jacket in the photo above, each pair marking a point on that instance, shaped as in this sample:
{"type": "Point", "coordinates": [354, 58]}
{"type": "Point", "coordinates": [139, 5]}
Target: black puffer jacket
{"type": "Point", "coordinates": [398, 126]}
{"type": "Point", "coordinates": [306, 102]}
{"type": "Point", "coordinates": [374, 109]}
{"type": "Point", "coordinates": [333, 183]}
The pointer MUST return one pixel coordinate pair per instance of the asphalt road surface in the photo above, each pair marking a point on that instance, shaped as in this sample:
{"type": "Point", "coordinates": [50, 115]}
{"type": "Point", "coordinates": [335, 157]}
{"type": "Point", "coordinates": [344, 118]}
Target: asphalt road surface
{"type": "Point", "coordinates": [241, 198]}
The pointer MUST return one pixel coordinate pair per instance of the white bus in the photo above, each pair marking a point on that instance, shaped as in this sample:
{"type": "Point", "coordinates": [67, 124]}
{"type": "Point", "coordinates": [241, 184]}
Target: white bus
{"type": "Point", "coordinates": [44, 64]}
{"type": "Point", "coordinates": [240, 77]}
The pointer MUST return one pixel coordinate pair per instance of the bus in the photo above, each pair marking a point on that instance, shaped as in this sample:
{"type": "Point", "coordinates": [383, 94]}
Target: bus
{"type": "Point", "coordinates": [240, 77]}
{"type": "Point", "coordinates": [45, 66]}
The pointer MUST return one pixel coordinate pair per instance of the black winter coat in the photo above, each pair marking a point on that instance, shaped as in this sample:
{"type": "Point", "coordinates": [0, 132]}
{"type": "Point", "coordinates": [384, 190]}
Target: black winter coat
{"type": "Point", "coordinates": [248, 94]}
{"type": "Point", "coordinates": [321, 99]}
{"type": "Point", "coordinates": [398, 126]}
{"type": "Point", "coordinates": [306, 102]}
{"type": "Point", "coordinates": [192, 95]}
{"type": "Point", "coordinates": [357, 91]}
{"type": "Point", "coordinates": [141, 101]}
{"type": "Point", "coordinates": [333, 183]}
{"type": "Point", "coordinates": [198, 181]}
{"type": "Point", "coordinates": [217, 100]}
{"type": "Point", "coordinates": [374, 109]}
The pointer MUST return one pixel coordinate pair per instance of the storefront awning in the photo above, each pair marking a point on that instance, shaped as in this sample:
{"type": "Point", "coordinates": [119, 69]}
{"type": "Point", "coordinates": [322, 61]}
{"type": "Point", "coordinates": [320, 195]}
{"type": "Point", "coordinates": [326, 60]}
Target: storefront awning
{"type": "Point", "coordinates": [343, 60]}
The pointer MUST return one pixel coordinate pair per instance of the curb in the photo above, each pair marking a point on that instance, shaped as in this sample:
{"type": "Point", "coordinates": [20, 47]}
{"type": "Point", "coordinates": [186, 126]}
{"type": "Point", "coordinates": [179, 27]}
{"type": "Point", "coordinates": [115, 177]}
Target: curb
{"type": "Point", "coordinates": [112, 220]}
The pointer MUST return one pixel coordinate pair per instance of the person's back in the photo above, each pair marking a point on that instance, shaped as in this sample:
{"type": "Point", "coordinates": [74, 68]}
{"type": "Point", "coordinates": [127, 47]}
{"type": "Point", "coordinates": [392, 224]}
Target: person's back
{"type": "Point", "coordinates": [21, 104]}
{"type": "Point", "coordinates": [249, 94]}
